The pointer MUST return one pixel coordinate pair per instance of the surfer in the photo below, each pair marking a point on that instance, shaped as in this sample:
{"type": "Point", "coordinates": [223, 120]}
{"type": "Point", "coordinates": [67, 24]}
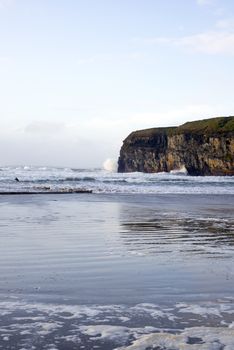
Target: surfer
{"type": "Point", "coordinates": [16, 179]}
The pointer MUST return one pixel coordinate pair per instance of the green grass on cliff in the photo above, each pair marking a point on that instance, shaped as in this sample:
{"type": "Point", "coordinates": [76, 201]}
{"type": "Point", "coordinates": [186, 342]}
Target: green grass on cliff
{"type": "Point", "coordinates": [207, 126]}
{"type": "Point", "coordinates": [152, 132]}
{"type": "Point", "coordinates": [210, 126]}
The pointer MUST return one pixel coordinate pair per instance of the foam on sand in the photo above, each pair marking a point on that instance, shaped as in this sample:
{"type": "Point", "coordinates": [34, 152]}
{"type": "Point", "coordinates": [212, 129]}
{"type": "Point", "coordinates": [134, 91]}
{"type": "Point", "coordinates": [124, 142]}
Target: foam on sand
{"type": "Point", "coordinates": [187, 326]}
{"type": "Point", "coordinates": [197, 338]}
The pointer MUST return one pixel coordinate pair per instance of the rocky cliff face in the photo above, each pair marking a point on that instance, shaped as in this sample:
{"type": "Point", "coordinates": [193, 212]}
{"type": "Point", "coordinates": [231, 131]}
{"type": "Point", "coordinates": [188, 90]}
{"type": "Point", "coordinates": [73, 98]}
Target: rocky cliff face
{"type": "Point", "coordinates": [203, 147]}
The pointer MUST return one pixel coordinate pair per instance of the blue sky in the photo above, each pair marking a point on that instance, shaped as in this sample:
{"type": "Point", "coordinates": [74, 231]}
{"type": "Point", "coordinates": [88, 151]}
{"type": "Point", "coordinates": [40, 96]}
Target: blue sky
{"type": "Point", "coordinates": [76, 77]}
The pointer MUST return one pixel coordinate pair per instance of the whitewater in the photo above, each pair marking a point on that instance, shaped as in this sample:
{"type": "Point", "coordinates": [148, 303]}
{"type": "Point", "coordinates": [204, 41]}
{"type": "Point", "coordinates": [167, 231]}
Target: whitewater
{"type": "Point", "coordinates": [103, 181]}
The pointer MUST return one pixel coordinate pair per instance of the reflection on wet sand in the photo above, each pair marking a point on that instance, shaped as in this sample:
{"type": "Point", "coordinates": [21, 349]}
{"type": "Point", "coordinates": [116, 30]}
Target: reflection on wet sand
{"type": "Point", "coordinates": [210, 237]}
{"type": "Point", "coordinates": [116, 272]}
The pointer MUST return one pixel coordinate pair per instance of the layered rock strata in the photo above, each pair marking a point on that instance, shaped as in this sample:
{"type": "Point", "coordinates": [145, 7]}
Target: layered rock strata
{"type": "Point", "coordinates": [204, 147]}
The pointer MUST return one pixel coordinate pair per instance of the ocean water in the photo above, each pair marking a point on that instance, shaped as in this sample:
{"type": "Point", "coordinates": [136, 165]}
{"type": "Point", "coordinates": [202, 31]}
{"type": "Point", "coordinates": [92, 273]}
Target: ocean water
{"type": "Point", "coordinates": [102, 181]}
{"type": "Point", "coordinates": [145, 262]}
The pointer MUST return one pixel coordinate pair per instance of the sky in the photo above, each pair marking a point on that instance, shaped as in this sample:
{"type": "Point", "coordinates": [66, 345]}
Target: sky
{"type": "Point", "coordinates": [77, 76]}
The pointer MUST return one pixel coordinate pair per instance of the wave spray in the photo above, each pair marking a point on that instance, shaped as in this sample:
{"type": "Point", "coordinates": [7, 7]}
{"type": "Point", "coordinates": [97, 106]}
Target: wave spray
{"type": "Point", "coordinates": [110, 165]}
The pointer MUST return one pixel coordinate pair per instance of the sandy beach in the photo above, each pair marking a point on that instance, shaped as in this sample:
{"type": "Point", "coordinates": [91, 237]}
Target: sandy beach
{"type": "Point", "coordinates": [104, 271]}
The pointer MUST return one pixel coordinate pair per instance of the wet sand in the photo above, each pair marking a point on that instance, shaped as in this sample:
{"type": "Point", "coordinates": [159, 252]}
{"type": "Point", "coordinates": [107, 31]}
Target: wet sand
{"type": "Point", "coordinates": [96, 270]}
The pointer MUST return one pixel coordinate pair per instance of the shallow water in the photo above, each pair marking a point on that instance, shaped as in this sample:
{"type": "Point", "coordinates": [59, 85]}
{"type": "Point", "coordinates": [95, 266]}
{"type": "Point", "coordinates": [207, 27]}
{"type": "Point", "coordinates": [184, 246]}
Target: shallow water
{"type": "Point", "coordinates": [108, 271]}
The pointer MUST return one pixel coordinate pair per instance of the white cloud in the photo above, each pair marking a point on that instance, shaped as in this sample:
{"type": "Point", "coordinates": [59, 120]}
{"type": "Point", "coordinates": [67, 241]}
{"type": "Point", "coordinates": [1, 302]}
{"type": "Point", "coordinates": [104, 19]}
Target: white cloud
{"type": "Point", "coordinates": [210, 42]}
{"type": "Point", "coordinates": [115, 126]}
{"type": "Point", "coordinates": [125, 123]}
{"type": "Point", "coordinates": [88, 142]}
{"type": "Point", "coordinates": [107, 57]}
{"type": "Point", "coordinates": [44, 127]}
{"type": "Point", "coordinates": [220, 40]}
{"type": "Point", "coordinates": [5, 59]}
{"type": "Point", "coordinates": [204, 2]}
{"type": "Point", "coordinates": [5, 3]}
{"type": "Point", "coordinates": [226, 23]}
{"type": "Point", "coordinates": [104, 57]}
{"type": "Point", "coordinates": [213, 42]}
{"type": "Point", "coordinates": [174, 116]}
{"type": "Point", "coordinates": [88, 60]}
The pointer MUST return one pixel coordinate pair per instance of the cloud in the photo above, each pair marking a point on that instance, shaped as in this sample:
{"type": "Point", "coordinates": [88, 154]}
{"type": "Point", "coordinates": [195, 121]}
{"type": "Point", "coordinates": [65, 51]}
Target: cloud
{"type": "Point", "coordinates": [226, 24]}
{"type": "Point", "coordinates": [174, 116]}
{"type": "Point", "coordinates": [5, 3]}
{"type": "Point", "coordinates": [210, 42]}
{"type": "Point", "coordinates": [44, 127]}
{"type": "Point", "coordinates": [102, 57]}
{"type": "Point", "coordinates": [119, 125]}
{"type": "Point", "coordinates": [84, 142]}
{"type": "Point", "coordinates": [204, 2]}
{"type": "Point", "coordinates": [88, 60]}
{"type": "Point", "coordinates": [4, 59]}
{"type": "Point", "coordinates": [108, 57]}
{"type": "Point", "coordinates": [213, 42]}
{"type": "Point", "coordinates": [219, 40]}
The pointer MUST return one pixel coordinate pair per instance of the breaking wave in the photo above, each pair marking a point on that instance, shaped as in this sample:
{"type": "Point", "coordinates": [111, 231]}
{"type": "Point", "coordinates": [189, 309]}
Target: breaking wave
{"type": "Point", "coordinates": [110, 165]}
{"type": "Point", "coordinates": [182, 171]}
{"type": "Point", "coordinates": [108, 181]}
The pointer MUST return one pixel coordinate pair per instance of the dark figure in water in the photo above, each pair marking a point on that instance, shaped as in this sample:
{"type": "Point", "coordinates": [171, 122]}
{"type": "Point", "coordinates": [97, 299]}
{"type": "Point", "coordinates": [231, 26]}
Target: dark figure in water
{"type": "Point", "coordinates": [16, 179]}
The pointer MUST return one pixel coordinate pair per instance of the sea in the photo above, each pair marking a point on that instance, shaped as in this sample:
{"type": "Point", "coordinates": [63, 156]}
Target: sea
{"type": "Point", "coordinates": [144, 262]}
{"type": "Point", "coordinates": [47, 179]}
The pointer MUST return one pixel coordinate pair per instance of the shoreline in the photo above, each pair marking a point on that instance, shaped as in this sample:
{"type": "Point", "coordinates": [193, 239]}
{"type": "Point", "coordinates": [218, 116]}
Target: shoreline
{"type": "Point", "coordinates": [3, 193]}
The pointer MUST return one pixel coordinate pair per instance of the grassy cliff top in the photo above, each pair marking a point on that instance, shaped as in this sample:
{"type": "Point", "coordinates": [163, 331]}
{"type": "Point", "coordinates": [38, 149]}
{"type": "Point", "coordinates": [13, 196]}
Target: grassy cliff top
{"type": "Point", "coordinates": [212, 126]}
{"type": "Point", "coordinates": [207, 126]}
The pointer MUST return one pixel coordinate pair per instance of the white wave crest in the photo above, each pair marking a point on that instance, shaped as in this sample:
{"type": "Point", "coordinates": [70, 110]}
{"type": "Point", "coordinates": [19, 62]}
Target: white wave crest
{"type": "Point", "coordinates": [182, 171]}
{"type": "Point", "coordinates": [110, 165]}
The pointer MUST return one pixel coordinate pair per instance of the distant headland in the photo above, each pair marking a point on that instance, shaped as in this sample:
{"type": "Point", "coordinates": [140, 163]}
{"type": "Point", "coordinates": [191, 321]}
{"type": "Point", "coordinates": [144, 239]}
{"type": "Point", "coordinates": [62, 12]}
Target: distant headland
{"type": "Point", "coordinates": [203, 147]}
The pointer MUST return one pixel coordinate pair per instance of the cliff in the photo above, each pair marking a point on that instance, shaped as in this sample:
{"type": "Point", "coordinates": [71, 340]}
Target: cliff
{"type": "Point", "coordinates": [204, 147]}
